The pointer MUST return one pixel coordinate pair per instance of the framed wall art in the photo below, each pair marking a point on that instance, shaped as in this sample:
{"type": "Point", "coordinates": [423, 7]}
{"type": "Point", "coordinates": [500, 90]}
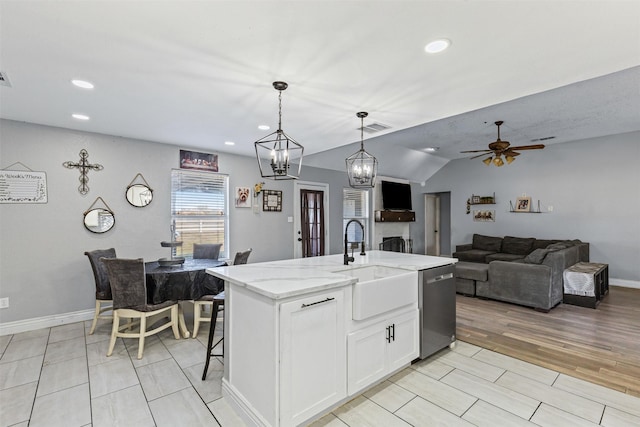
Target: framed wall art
{"type": "Point", "coordinates": [272, 200]}
{"type": "Point", "coordinates": [523, 204]}
{"type": "Point", "coordinates": [200, 161]}
{"type": "Point", "coordinates": [484, 216]}
{"type": "Point", "coordinates": [243, 197]}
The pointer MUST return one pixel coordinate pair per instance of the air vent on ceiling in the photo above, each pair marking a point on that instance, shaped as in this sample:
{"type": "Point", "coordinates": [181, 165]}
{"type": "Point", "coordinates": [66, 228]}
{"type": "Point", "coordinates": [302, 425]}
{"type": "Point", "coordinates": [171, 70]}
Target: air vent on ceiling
{"type": "Point", "coordinates": [4, 79]}
{"type": "Point", "coordinates": [374, 127]}
{"type": "Point", "coordinates": [543, 139]}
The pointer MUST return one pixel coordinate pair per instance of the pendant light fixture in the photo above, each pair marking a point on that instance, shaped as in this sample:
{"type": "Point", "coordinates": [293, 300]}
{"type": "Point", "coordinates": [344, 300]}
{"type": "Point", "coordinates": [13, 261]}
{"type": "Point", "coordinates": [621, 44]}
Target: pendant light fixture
{"type": "Point", "coordinates": [275, 151]}
{"type": "Point", "coordinates": [362, 167]}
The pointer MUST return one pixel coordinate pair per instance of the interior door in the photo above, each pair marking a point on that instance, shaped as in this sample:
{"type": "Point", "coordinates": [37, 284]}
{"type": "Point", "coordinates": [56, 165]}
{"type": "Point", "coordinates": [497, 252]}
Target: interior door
{"type": "Point", "coordinates": [432, 224]}
{"type": "Point", "coordinates": [311, 228]}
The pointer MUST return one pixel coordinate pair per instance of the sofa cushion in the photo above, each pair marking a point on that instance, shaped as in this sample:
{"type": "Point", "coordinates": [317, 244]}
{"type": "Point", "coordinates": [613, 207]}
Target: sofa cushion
{"type": "Point", "coordinates": [517, 245]}
{"type": "Point", "coordinates": [471, 270]}
{"type": "Point", "coordinates": [538, 255]}
{"type": "Point", "coordinates": [500, 256]}
{"type": "Point", "coordinates": [543, 243]}
{"type": "Point", "coordinates": [487, 243]}
{"type": "Point", "coordinates": [474, 255]}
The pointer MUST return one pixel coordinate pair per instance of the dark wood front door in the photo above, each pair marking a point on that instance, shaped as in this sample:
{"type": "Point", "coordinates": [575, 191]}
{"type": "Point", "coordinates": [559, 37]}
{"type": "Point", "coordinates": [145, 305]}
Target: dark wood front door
{"type": "Point", "coordinates": [312, 222]}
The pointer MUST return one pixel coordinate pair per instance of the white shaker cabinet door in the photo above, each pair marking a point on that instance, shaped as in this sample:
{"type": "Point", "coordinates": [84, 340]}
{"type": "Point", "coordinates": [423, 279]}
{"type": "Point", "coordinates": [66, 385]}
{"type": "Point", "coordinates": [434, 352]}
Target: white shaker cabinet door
{"type": "Point", "coordinates": [312, 356]}
{"type": "Point", "coordinates": [379, 349]}
{"type": "Point", "coordinates": [366, 353]}
{"type": "Point", "coordinates": [405, 342]}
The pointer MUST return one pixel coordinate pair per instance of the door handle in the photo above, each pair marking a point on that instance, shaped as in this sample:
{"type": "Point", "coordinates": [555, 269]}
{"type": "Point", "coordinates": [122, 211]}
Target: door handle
{"type": "Point", "coordinates": [388, 337]}
{"type": "Point", "coordinates": [392, 328]}
{"type": "Point", "coordinates": [299, 239]}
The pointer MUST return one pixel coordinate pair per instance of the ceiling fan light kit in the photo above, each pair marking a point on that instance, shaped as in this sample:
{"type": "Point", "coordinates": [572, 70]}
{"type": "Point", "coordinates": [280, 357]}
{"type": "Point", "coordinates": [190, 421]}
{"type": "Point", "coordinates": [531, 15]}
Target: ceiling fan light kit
{"type": "Point", "coordinates": [498, 148]}
{"type": "Point", "coordinates": [279, 148]}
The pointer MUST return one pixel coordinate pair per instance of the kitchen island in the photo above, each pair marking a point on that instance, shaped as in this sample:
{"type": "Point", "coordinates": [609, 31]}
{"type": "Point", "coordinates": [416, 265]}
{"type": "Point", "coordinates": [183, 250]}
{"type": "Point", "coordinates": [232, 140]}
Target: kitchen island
{"type": "Point", "coordinates": [303, 336]}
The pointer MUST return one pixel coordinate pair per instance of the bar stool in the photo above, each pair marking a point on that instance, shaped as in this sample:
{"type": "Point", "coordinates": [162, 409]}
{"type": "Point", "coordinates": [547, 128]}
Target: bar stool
{"type": "Point", "coordinates": [218, 305]}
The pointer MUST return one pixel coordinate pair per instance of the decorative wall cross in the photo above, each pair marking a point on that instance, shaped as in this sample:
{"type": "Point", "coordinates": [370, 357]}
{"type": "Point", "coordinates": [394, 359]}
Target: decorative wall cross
{"type": "Point", "coordinates": [84, 166]}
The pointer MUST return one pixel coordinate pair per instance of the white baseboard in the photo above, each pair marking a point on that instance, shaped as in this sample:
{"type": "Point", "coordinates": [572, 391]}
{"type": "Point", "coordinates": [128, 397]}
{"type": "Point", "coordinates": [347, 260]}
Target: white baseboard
{"type": "Point", "coordinates": [624, 283]}
{"type": "Point", "coordinates": [45, 322]}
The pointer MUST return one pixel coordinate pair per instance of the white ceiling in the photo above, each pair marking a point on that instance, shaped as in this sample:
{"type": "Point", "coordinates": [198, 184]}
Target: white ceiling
{"type": "Point", "coordinates": [199, 73]}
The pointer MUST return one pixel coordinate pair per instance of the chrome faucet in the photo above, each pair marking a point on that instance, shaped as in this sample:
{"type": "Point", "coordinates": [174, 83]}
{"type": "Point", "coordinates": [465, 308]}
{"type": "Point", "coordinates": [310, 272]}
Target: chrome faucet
{"type": "Point", "coordinates": [348, 258]}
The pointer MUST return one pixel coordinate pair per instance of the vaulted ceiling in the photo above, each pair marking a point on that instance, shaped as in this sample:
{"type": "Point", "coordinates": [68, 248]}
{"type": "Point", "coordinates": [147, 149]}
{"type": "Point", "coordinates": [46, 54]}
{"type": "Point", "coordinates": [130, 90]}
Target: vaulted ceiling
{"type": "Point", "coordinates": [199, 73]}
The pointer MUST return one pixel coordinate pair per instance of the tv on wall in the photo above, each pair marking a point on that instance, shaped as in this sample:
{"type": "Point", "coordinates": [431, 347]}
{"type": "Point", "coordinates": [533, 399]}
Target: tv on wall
{"type": "Point", "coordinates": [396, 196]}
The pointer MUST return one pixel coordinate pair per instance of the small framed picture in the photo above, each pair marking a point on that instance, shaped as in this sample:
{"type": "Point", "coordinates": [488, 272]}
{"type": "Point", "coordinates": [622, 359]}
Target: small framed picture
{"type": "Point", "coordinates": [200, 161]}
{"type": "Point", "coordinates": [272, 200]}
{"type": "Point", "coordinates": [523, 204]}
{"type": "Point", "coordinates": [484, 216]}
{"type": "Point", "coordinates": [243, 197]}
{"type": "Point", "coordinates": [475, 200]}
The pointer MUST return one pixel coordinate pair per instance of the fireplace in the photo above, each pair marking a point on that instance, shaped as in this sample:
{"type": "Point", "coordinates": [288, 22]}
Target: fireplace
{"type": "Point", "coordinates": [393, 244]}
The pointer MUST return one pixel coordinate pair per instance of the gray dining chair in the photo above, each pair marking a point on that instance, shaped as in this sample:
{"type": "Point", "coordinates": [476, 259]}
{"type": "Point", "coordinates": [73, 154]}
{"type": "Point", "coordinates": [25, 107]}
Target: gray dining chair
{"type": "Point", "coordinates": [129, 291]}
{"type": "Point", "coordinates": [202, 306]}
{"type": "Point", "coordinates": [206, 250]}
{"type": "Point", "coordinates": [104, 301]}
{"type": "Point", "coordinates": [218, 305]}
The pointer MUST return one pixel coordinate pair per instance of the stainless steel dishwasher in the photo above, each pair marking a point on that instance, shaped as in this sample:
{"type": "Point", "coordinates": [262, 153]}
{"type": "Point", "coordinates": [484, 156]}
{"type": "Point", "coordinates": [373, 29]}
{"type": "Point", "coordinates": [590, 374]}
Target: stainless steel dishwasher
{"type": "Point", "coordinates": [437, 299]}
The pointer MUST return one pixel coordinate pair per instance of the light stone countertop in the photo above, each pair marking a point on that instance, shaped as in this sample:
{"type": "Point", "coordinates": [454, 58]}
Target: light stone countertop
{"type": "Point", "coordinates": [293, 277]}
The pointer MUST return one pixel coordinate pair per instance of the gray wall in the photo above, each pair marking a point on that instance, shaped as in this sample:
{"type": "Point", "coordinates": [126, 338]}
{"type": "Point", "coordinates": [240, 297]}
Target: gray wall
{"type": "Point", "coordinates": [43, 269]}
{"type": "Point", "coordinates": [593, 186]}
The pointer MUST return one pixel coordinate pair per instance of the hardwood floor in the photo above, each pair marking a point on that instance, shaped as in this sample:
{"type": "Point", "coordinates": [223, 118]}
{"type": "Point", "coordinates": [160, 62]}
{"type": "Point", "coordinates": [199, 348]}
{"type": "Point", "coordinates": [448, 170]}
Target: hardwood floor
{"type": "Point", "coordinates": [599, 345]}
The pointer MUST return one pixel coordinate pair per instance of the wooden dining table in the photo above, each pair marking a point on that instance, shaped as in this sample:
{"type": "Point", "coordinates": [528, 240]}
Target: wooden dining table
{"type": "Point", "coordinates": [183, 282]}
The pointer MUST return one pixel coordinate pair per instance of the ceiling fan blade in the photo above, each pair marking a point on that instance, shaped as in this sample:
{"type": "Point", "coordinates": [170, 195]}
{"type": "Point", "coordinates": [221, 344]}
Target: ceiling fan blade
{"type": "Point", "coordinates": [528, 147]}
{"type": "Point", "coordinates": [479, 155]}
{"type": "Point", "coordinates": [478, 151]}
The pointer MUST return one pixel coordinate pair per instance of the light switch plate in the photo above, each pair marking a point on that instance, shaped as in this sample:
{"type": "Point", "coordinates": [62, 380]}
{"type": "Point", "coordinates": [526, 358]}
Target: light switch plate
{"type": "Point", "coordinates": [4, 302]}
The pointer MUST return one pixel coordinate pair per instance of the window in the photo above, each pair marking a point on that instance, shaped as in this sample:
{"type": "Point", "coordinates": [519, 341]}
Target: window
{"type": "Point", "coordinates": [355, 205]}
{"type": "Point", "coordinates": [199, 210]}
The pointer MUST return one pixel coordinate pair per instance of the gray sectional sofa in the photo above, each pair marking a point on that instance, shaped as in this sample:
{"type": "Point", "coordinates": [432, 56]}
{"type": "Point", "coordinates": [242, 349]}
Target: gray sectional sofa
{"type": "Point", "coordinates": [518, 270]}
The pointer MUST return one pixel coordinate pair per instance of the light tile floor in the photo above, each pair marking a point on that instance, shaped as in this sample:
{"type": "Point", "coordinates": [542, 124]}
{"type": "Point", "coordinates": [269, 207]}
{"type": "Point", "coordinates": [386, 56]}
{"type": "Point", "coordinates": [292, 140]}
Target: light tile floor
{"type": "Point", "coordinates": [61, 376]}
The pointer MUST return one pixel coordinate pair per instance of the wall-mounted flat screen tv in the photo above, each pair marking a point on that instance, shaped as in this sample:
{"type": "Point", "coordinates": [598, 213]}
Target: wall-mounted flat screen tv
{"type": "Point", "coordinates": [396, 196]}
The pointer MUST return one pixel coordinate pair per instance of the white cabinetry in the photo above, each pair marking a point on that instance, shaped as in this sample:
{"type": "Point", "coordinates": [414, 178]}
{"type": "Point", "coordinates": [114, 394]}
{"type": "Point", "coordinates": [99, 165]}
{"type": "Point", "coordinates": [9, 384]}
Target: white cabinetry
{"type": "Point", "coordinates": [380, 348]}
{"type": "Point", "coordinates": [285, 360]}
{"type": "Point", "coordinates": [312, 356]}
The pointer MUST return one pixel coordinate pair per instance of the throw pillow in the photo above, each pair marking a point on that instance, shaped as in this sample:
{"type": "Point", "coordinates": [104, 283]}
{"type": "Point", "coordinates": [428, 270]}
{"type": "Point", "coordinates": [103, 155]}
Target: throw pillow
{"type": "Point", "coordinates": [537, 256]}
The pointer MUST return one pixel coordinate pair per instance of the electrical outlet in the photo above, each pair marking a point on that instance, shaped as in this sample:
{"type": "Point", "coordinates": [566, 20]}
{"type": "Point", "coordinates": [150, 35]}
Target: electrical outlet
{"type": "Point", "coordinates": [550, 208]}
{"type": "Point", "coordinates": [4, 302]}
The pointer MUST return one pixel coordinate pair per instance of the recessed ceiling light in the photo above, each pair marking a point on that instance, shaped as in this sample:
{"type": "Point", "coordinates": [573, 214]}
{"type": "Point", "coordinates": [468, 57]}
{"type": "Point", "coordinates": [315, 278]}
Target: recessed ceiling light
{"type": "Point", "coordinates": [437, 46]}
{"type": "Point", "coordinates": [229, 143]}
{"type": "Point", "coordinates": [80, 116]}
{"type": "Point", "coordinates": [264, 127]}
{"type": "Point", "coordinates": [431, 149]}
{"type": "Point", "coordinates": [83, 84]}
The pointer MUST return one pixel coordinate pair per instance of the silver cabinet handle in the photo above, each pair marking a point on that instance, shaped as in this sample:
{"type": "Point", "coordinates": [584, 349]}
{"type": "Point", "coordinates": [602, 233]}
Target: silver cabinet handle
{"type": "Point", "coordinates": [317, 302]}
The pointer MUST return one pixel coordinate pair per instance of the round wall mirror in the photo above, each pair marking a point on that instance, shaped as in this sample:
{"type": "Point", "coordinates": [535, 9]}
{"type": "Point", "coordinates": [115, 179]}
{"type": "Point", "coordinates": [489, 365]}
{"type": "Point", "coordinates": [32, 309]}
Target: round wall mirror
{"type": "Point", "coordinates": [99, 220]}
{"type": "Point", "coordinates": [139, 195]}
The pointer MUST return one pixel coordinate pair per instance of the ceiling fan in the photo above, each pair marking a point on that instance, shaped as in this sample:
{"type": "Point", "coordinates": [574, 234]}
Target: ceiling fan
{"type": "Point", "coordinates": [498, 148]}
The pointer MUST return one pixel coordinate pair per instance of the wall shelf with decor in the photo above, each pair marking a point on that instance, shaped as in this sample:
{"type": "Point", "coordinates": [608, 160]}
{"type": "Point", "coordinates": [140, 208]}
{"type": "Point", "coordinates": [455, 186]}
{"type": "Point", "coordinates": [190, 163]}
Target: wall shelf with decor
{"type": "Point", "coordinates": [524, 205]}
{"type": "Point", "coordinates": [480, 200]}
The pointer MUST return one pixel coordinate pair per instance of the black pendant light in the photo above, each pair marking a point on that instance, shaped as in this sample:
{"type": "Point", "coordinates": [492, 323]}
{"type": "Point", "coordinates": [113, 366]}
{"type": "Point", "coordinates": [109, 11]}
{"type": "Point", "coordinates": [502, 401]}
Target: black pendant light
{"type": "Point", "coordinates": [275, 151]}
{"type": "Point", "coordinates": [362, 167]}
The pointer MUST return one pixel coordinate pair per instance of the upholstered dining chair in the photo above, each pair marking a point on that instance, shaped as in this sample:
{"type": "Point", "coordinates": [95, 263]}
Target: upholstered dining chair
{"type": "Point", "coordinates": [201, 306]}
{"type": "Point", "coordinates": [218, 306]}
{"type": "Point", "coordinates": [128, 287]}
{"type": "Point", "coordinates": [103, 289]}
{"type": "Point", "coordinates": [206, 250]}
